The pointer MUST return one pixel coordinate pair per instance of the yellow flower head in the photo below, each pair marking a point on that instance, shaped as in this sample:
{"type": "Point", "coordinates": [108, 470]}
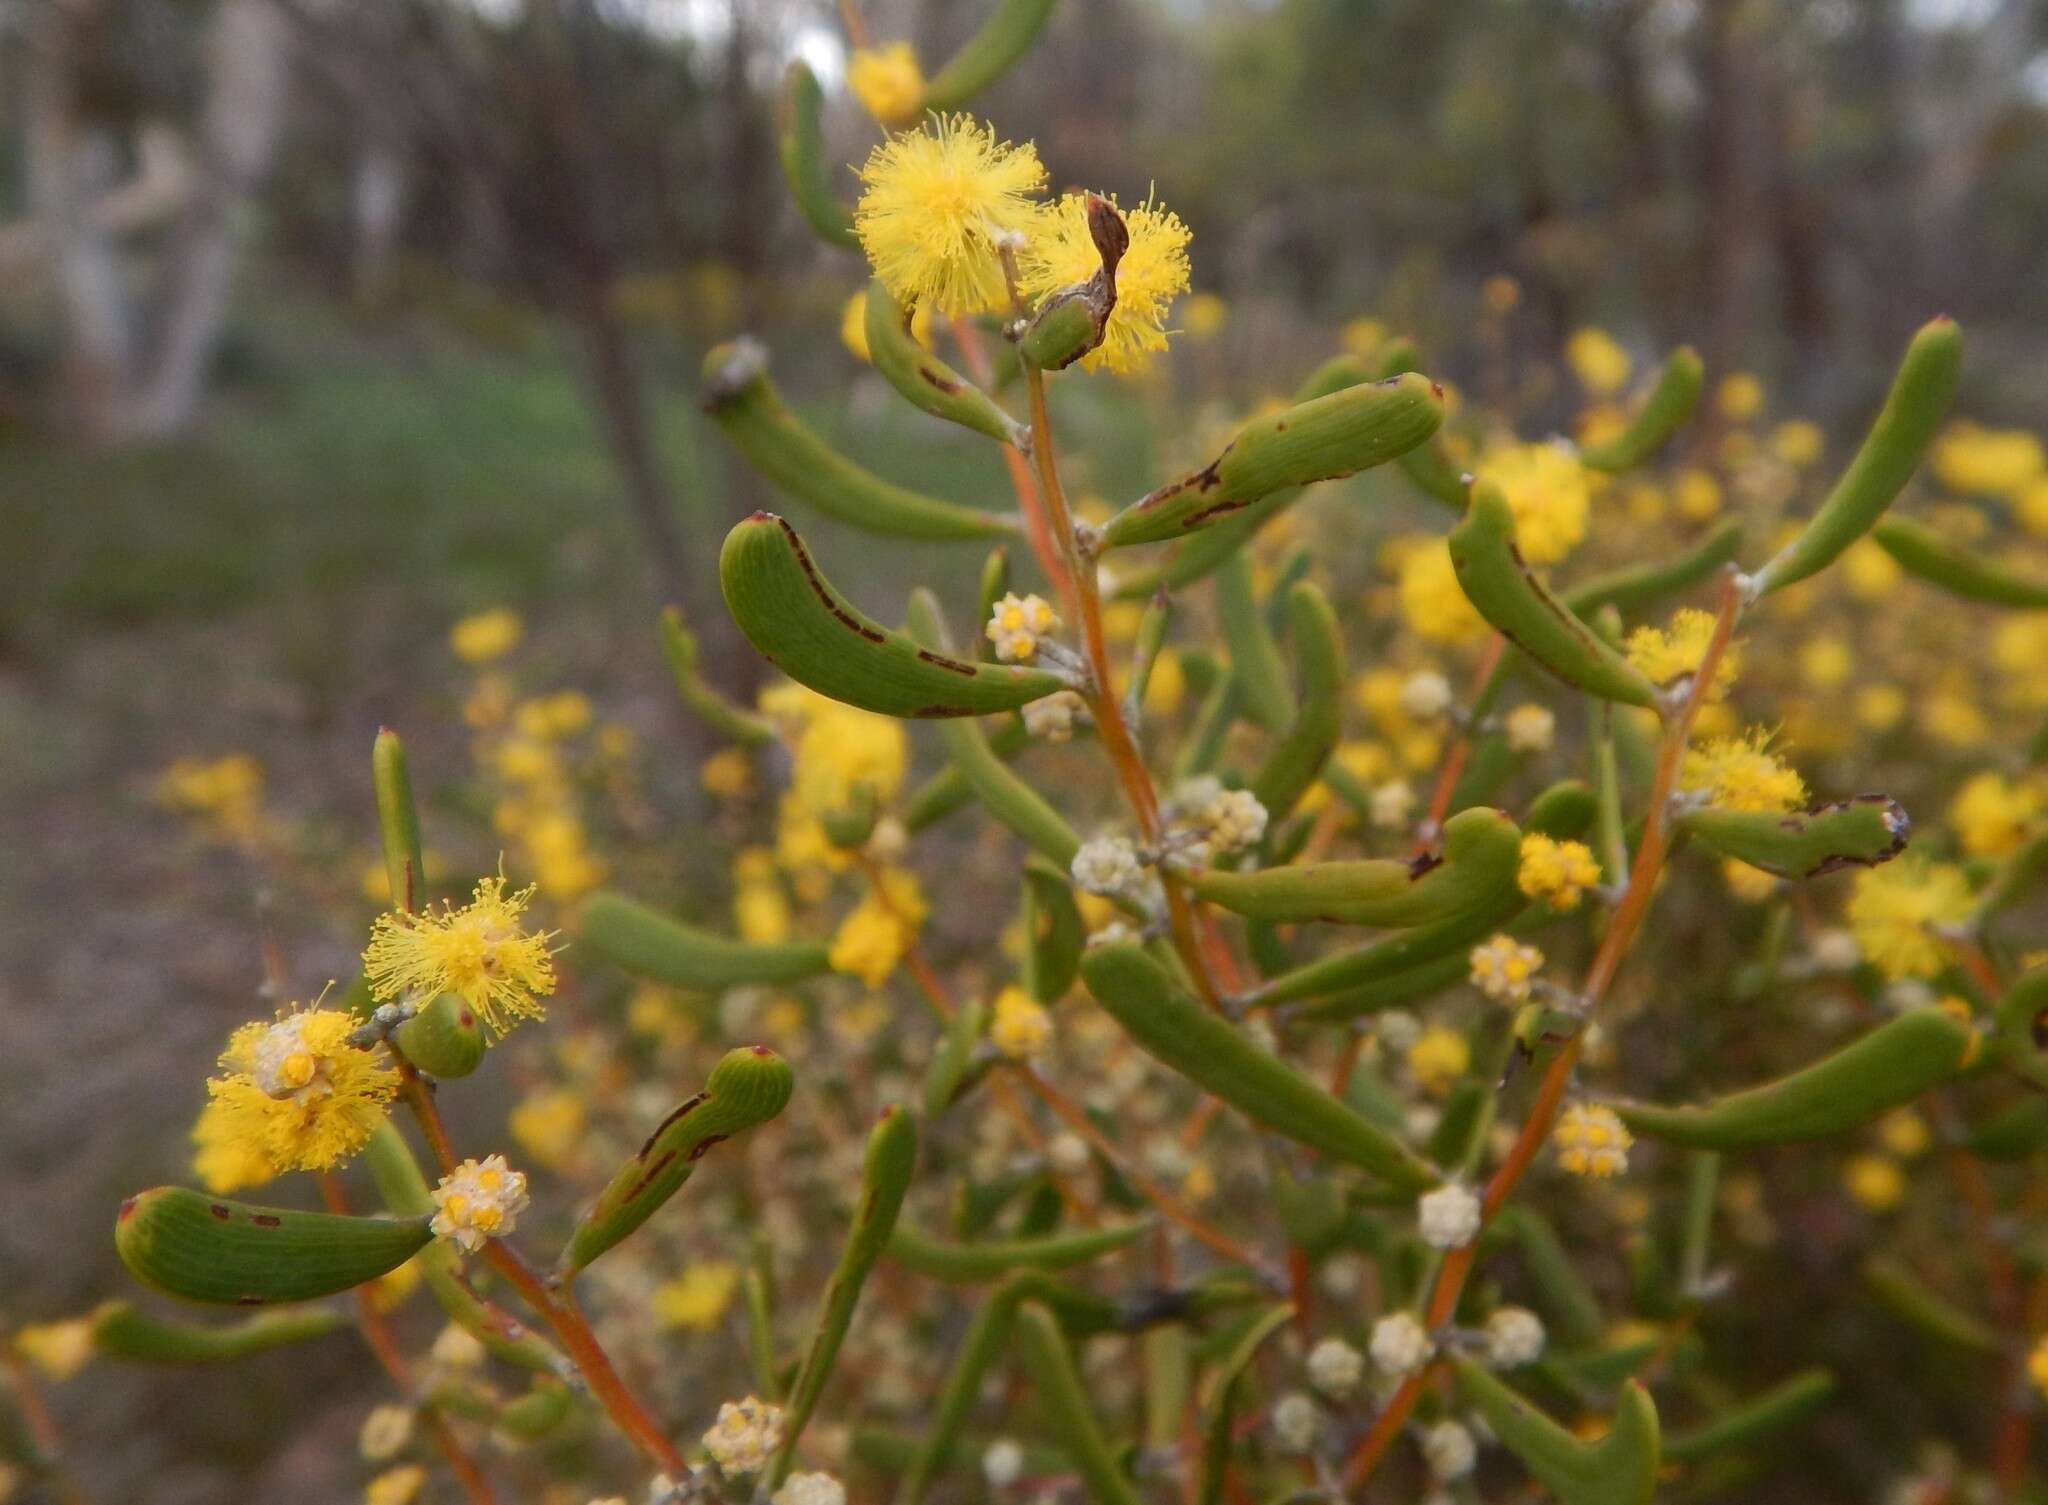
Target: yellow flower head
{"type": "Point", "coordinates": [2037, 1366]}
{"type": "Point", "coordinates": [1752, 885]}
{"type": "Point", "coordinates": [887, 82]}
{"type": "Point", "coordinates": [1741, 773]}
{"type": "Point", "coordinates": [1016, 624]}
{"type": "Point", "coordinates": [1740, 397]}
{"type": "Point", "coordinates": [1153, 272]}
{"type": "Point", "coordinates": [1990, 462]}
{"type": "Point", "coordinates": [1504, 969]}
{"type": "Point", "coordinates": [1546, 489]}
{"type": "Point", "coordinates": [1591, 1141]}
{"type": "Point", "coordinates": [1896, 909]}
{"type": "Point", "coordinates": [1597, 360]}
{"type": "Point", "coordinates": [698, 1297]}
{"type": "Point", "coordinates": [294, 1095]}
{"type": "Point", "coordinates": [1875, 1181]}
{"type": "Point", "coordinates": [223, 794]}
{"type": "Point", "coordinates": [487, 635]}
{"type": "Point", "coordinates": [935, 199]}
{"type": "Point", "coordinates": [1667, 654]}
{"type": "Point", "coordinates": [58, 1349]}
{"type": "Point", "coordinates": [549, 1125]}
{"type": "Point", "coordinates": [1432, 600]}
{"type": "Point", "coordinates": [1020, 1028]}
{"type": "Point", "coordinates": [396, 1486]}
{"type": "Point", "coordinates": [1557, 872]}
{"type": "Point", "coordinates": [1439, 1057]}
{"type": "Point", "coordinates": [1797, 442]}
{"type": "Point", "coordinates": [874, 936]}
{"type": "Point", "coordinates": [477, 951]}
{"type": "Point", "coordinates": [1993, 815]}
{"type": "Point", "coordinates": [478, 1200]}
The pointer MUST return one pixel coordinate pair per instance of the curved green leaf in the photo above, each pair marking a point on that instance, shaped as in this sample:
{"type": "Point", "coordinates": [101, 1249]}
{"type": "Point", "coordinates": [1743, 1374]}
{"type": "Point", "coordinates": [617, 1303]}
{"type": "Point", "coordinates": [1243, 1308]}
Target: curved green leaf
{"type": "Point", "coordinates": [1861, 832]}
{"type": "Point", "coordinates": [1068, 1411]}
{"type": "Point", "coordinates": [1481, 851]}
{"type": "Point", "coordinates": [953, 1065]}
{"type": "Point", "coordinates": [927, 382]}
{"type": "Point", "coordinates": [984, 57]}
{"type": "Point", "coordinates": [1907, 1297]}
{"type": "Point", "coordinates": [1335, 435]}
{"type": "Point", "coordinates": [1507, 594]}
{"type": "Point", "coordinates": [885, 1178]}
{"type": "Point", "coordinates": [1298, 760]}
{"type": "Point", "coordinates": [679, 647]}
{"type": "Point", "coordinates": [646, 943]}
{"type": "Point", "coordinates": [398, 821]}
{"type": "Point", "coordinates": [119, 1331]}
{"type": "Point", "coordinates": [1919, 398]}
{"type": "Point", "coordinates": [1922, 551]}
{"type": "Point", "coordinates": [747, 1088]}
{"type": "Point", "coordinates": [208, 1249]}
{"type": "Point", "coordinates": [1256, 668]}
{"type": "Point", "coordinates": [1053, 931]}
{"type": "Point", "coordinates": [1226, 1393]}
{"type": "Point", "coordinates": [1890, 1065]}
{"type": "Point", "coordinates": [800, 141]}
{"type": "Point", "coordinates": [1619, 1468]}
{"type": "Point", "coordinates": [793, 616]}
{"type": "Point", "coordinates": [1636, 586]}
{"type": "Point", "coordinates": [2022, 1020]}
{"type": "Point", "coordinates": [1785, 1404]}
{"type": "Point", "coordinates": [1669, 404]}
{"type": "Point", "coordinates": [1174, 1028]}
{"type": "Point", "coordinates": [743, 401]}
{"type": "Point", "coordinates": [992, 1259]}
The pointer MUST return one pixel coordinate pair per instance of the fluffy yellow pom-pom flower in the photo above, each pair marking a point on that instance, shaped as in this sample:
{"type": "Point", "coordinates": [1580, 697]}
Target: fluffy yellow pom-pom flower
{"type": "Point", "coordinates": [1667, 654]}
{"type": "Point", "coordinates": [1898, 909]}
{"type": "Point", "coordinates": [1557, 872]}
{"type": "Point", "coordinates": [1153, 272]}
{"type": "Point", "coordinates": [295, 1095]}
{"type": "Point", "coordinates": [1546, 489]}
{"type": "Point", "coordinates": [935, 200]}
{"type": "Point", "coordinates": [1741, 773]}
{"type": "Point", "coordinates": [887, 81]}
{"type": "Point", "coordinates": [477, 951]}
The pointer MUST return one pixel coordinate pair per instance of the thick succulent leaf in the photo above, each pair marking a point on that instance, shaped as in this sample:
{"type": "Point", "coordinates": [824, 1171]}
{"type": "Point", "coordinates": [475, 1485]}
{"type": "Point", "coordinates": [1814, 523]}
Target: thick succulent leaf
{"type": "Point", "coordinates": [1054, 932]}
{"type": "Point", "coordinates": [1911, 1300]}
{"type": "Point", "coordinates": [1226, 1392]}
{"type": "Point", "coordinates": [1508, 594]}
{"type": "Point", "coordinates": [747, 1088]}
{"type": "Point", "coordinates": [444, 1039]}
{"type": "Point", "coordinates": [1298, 760]}
{"type": "Point", "coordinates": [679, 647]}
{"type": "Point", "coordinates": [1481, 850]}
{"type": "Point", "coordinates": [953, 1065]}
{"type": "Point", "coordinates": [885, 1178]}
{"type": "Point", "coordinates": [1620, 1468]}
{"type": "Point", "coordinates": [1669, 404]}
{"type": "Point", "coordinates": [1919, 399]}
{"type": "Point", "coordinates": [398, 821]}
{"type": "Point", "coordinates": [741, 398]}
{"type": "Point", "coordinates": [1336, 435]}
{"type": "Point", "coordinates": [1860, 832]}
{"type": "Point", "coordinates": [646, 943]}
{"type": "Point", "coordinates": [119, 1331]}
{"type": "Point", "coordinates": [1784, 1405]}
{"type": "Point", "coordinates": [1922, 551]}
{"type": "Point", "coordinates": [926, 381]}
{"type": "Point", "coordinates": [802, 625]}
{"type": "Point", "coordinates": [2022, 1017]}
{"type": "Point", "coordinates": [986, 56]}
{"type": "Point", "coordinates": [1890, 1065]}
{"type": "Point", "coordinates": [801, 142]}
{"type": "Point", "coordinates": [1067, 1408]}
{"type": "Point", "coordinates": [202, 1248]}
{"type": "Point", "coordinates": [1636, 586]}
{"type": "Point", "coordinates": [1174, 1028]}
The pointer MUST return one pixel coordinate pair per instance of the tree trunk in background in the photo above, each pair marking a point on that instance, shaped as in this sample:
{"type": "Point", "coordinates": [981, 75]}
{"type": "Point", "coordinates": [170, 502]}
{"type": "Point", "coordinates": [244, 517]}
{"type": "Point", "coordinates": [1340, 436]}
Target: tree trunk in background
{"type": "Point", "coordinates": [1798, 220]}
{"type": "Point", "coordinates": [622, 407]}
{"type": "Point", "coordinates": [70, 165]}
{"type": "Point", "coordinates": [1728, 238]}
